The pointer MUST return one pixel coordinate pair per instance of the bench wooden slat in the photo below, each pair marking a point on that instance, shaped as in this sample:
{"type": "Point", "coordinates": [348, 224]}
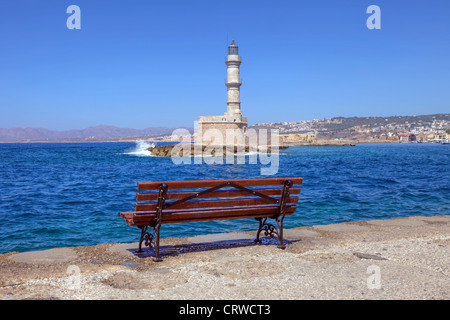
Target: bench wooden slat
{"type": "Point", "coordinates": [215, 194]}
{"type": "Point", "coordinates": [224, 218]}
{"type": "Point", "coordinates": [224, 213]}
{"type": "Point", "coordinates": [212, 183]}
{"type": "Point", "coordinates": [212, 203]}
{"type": "Point", "coordinates": [128, 217]}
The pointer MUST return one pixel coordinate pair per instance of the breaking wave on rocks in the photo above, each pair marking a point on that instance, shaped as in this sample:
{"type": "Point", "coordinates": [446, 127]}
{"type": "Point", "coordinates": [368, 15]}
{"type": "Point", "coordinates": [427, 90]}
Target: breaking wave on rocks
{"type": "Point", "coordinates": [141, 149]}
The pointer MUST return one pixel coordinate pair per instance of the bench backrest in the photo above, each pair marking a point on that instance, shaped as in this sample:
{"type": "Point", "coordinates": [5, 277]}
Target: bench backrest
{"type": "Point", "coordinates": [240, 197]}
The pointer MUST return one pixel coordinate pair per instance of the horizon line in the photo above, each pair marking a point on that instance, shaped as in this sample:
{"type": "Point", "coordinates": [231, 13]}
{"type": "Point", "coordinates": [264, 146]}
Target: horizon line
{"type": "Point", "coordinates": [164, 126]}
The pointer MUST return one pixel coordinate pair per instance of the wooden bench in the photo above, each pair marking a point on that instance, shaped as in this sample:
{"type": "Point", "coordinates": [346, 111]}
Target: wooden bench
{"type": "Point", "coordinates": [202, 200]}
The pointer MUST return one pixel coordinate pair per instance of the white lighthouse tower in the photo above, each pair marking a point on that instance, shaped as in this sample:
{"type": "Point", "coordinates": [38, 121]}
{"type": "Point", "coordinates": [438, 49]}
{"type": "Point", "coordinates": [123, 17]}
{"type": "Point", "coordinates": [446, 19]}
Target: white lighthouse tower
{"type": "Point", "coordinates": [233, 83]}
{"type": "Point", "coordinates": [232, 120]}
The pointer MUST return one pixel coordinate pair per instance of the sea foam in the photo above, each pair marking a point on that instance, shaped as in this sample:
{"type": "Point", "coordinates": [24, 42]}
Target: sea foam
{"type": "Point", "coordinates": [141, 149]}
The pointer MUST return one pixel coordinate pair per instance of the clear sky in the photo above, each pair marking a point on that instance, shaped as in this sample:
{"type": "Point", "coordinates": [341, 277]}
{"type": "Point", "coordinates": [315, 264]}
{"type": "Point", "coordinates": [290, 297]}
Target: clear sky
{"type": "Point", "coordinates": [143, 63]}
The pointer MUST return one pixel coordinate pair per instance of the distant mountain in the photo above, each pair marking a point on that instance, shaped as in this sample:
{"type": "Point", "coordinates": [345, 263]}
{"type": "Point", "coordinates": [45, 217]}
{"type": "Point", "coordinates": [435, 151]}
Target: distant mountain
{"type": "Point", "coordinates": [101, 131]}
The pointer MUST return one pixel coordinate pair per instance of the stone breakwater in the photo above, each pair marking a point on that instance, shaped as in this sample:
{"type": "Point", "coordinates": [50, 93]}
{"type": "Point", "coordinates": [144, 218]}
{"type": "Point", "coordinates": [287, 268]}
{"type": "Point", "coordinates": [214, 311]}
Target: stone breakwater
{"type": "Point", "coordinates": [326, 143]}
{"type": "Point", "coordinates": [191, 150]}
{"type": "Point", "coordinates": [401, 258]}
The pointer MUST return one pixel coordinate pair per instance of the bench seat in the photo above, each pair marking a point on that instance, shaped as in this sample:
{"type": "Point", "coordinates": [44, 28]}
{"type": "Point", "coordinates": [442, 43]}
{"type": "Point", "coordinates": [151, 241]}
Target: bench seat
{"type": "Point", "coordinates": [205, 214]}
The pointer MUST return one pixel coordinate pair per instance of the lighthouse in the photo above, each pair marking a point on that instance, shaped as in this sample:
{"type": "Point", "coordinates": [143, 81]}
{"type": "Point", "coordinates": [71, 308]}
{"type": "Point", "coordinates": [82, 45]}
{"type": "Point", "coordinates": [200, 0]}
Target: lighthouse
{"type": "Point", "coordinates": [232, 122]}
{"type": "Point", "coordinates": [233, 61]}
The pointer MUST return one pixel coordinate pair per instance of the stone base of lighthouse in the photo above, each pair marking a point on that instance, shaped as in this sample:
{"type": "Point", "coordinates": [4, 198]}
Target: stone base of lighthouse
{"type": "Point", "coordinates": [223, 130]}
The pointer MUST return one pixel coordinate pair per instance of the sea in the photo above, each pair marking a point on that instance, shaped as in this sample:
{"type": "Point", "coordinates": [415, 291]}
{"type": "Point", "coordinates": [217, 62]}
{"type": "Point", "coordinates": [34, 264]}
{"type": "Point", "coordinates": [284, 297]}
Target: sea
{"type": "Point", "coordinates": [69, 194]}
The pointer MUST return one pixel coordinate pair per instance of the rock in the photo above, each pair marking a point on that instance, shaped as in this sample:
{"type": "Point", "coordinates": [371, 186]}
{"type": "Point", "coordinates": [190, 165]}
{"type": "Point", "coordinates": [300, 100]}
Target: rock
{"type": "Point", "coordinates": [167, 150]}
{"type": "Point", "coordinates": [368, 256]}
{"type": "Point", "coordinates": [46, 257]}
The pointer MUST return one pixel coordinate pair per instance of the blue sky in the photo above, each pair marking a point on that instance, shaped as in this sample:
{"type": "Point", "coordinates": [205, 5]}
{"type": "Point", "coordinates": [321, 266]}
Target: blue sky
{"type": "Point", "coordinates": [143, 63]}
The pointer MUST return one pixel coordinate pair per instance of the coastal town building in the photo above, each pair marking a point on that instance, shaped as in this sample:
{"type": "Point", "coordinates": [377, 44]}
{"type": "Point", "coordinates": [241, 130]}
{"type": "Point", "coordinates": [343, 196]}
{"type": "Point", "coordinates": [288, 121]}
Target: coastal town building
{"type": "Point", "coordinates": [407, 137]}
{"type": "Point", "coordinates": [438, 136]}
{"type": "Point", "coordinates": [231, 127]}
{"type": "Point", "coordinates": [293, 138]}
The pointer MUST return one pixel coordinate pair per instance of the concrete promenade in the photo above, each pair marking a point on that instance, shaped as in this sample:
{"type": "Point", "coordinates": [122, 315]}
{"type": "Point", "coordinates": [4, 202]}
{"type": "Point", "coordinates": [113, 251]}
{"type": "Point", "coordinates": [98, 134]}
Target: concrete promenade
{"type": "Point", "coordinates": [401, 258]}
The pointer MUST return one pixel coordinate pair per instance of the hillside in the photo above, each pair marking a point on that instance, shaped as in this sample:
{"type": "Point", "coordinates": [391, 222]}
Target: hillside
{"type": "Point", "coordinates": [364, 127]}
{"type": "Point", "coordinates": [102, 131]}
{"type": "Point", "coordinates": [353, 128]}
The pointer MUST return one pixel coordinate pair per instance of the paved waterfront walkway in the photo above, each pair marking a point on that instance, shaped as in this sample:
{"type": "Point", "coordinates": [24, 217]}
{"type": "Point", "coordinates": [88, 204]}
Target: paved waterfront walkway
{"type": "Point", "coordinates": [402, 258]}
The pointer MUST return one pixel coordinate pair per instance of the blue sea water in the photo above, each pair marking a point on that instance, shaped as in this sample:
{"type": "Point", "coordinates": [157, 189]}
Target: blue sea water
{"type": "Point", "coordinates": [69, 194]}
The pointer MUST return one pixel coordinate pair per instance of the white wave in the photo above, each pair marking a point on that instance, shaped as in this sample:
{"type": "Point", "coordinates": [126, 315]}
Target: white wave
{"type": "Point", "coordinates": [141, 149]}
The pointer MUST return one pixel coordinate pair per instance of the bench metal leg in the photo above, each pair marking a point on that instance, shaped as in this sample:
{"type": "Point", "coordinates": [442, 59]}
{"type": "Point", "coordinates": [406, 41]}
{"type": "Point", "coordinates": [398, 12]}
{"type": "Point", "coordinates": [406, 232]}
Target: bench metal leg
{"type": "Point", "coordinates": [157, 257]}
{"type": "Point", "coordinates": [271, 230]}
{"type": "Point", "coordinates": [161, 204]}
{"type": "Point", "coordinates": [150, 241]}
{"type": "Point", "coordinates": [147, 237]}
{"type": "Point", "coordinates": [280, 232]}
